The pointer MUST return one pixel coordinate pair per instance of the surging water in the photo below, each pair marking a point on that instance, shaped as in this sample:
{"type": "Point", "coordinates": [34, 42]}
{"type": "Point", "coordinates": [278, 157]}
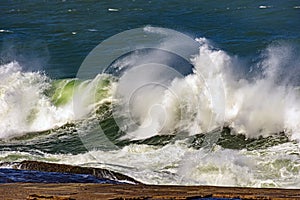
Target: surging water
{"type": "Point", "coordinates": [209, 98]}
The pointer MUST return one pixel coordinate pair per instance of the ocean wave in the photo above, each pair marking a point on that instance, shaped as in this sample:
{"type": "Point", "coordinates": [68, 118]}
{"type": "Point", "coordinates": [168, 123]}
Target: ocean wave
{"type": "Point", "coordinates": [32, 102]}
{"type": "Point", "coordinates": [209, 98]}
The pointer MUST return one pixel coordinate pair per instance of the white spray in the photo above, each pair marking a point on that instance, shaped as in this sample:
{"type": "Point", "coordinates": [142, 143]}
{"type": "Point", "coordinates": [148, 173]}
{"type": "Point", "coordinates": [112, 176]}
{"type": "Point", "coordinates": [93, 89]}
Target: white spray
{"type": "Point", "coordinates": [213, 97]}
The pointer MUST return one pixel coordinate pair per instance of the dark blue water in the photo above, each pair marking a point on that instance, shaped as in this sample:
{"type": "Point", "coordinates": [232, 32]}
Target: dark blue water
{"type": "Point", "coordinates": [55, 36]}
{"type": "Point", "coordinates": [24, 176]}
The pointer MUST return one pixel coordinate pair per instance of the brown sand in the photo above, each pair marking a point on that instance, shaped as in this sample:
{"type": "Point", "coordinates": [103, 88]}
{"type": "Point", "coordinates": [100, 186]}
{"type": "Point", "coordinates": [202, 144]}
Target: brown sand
{"type": "Point", "coordinates": [40, 191]}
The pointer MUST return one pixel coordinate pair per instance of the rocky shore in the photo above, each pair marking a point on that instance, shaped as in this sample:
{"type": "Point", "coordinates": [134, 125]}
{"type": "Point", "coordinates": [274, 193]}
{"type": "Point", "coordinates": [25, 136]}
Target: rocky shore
{"type": "Point", "coordinates": [61, 168]}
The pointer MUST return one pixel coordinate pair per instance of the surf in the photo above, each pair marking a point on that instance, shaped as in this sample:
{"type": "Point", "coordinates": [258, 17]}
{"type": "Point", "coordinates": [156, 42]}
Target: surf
{"type": "Point", "coordinates": [198, 102]}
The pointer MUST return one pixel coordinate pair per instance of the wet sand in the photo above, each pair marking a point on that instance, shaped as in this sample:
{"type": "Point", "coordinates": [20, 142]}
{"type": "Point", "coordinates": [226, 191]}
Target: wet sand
{"type": "Point", "coordinates": [70, 191]}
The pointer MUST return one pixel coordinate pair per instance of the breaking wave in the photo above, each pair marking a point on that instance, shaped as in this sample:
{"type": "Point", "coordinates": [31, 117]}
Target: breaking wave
{"type": "Point", "coordinates": [212, 96]}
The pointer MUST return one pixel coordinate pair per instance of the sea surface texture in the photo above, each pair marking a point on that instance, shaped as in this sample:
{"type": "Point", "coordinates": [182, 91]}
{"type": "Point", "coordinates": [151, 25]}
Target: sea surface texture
{"type": "Point", "coordinates": [176, 92]}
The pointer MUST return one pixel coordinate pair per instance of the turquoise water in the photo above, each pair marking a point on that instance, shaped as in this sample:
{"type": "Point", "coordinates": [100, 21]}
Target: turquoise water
{"type": "Point", "coordinates": [227, 104]}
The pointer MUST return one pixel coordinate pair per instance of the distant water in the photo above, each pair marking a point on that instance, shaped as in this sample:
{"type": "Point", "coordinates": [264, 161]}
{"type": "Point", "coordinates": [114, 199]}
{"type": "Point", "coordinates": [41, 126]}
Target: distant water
{"type": "Point", "coordinates": [56, 36]}
{"type": "Point", "coordinates": [203, 137]}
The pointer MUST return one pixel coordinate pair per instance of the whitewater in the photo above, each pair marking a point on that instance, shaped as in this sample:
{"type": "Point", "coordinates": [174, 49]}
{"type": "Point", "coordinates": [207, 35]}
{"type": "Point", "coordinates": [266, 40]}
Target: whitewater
{"type": "Point", "coordinates": [261, 106]}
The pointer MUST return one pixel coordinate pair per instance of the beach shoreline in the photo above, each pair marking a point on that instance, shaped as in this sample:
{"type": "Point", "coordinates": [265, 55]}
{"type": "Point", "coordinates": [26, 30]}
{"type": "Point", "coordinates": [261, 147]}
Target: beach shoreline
{"type": "Point", "coordinates": [120, 186]}
{"type": "Point", "coordinates": [127, 191]}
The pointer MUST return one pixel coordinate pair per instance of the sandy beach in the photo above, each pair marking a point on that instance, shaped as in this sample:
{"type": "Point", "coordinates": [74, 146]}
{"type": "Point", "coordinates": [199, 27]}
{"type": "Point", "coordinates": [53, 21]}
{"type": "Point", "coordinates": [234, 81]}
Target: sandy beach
{"type": "Point", "coordinates": [70, 191]}
{"type": "Point", "coordinates": [119, 190]}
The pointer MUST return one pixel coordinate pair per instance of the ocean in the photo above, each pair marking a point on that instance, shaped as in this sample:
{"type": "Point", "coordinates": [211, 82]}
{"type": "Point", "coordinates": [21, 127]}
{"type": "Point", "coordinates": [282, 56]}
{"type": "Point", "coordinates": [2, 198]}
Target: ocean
{"type": "Point", "coordinates": [166, 92]}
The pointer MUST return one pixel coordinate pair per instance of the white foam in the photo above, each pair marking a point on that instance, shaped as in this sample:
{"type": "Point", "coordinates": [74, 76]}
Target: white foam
{"type": "Point", "coordinates": [113, 10]}
{"type": "Point", "coordinates": [5, 31]}
{"type": "Point", "coordinates": [92, 30]}
{"type": "Point", "coordinates": [23, 106]}
{"type": "Point", "coordinates": [264, 7]}
{"type": "Point", "coordinates": [177, 164]}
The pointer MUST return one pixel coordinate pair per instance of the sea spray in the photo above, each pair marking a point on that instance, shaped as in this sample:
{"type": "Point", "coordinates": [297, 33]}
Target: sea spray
{"type": "Point", "coordinates": [32, 102]}
{"type": "Point", "coordinates": [23, 106]}
{"type": "Point", "coordinates": [267, 104]}
{"type": "Point", "coordinates": [213, 97]}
